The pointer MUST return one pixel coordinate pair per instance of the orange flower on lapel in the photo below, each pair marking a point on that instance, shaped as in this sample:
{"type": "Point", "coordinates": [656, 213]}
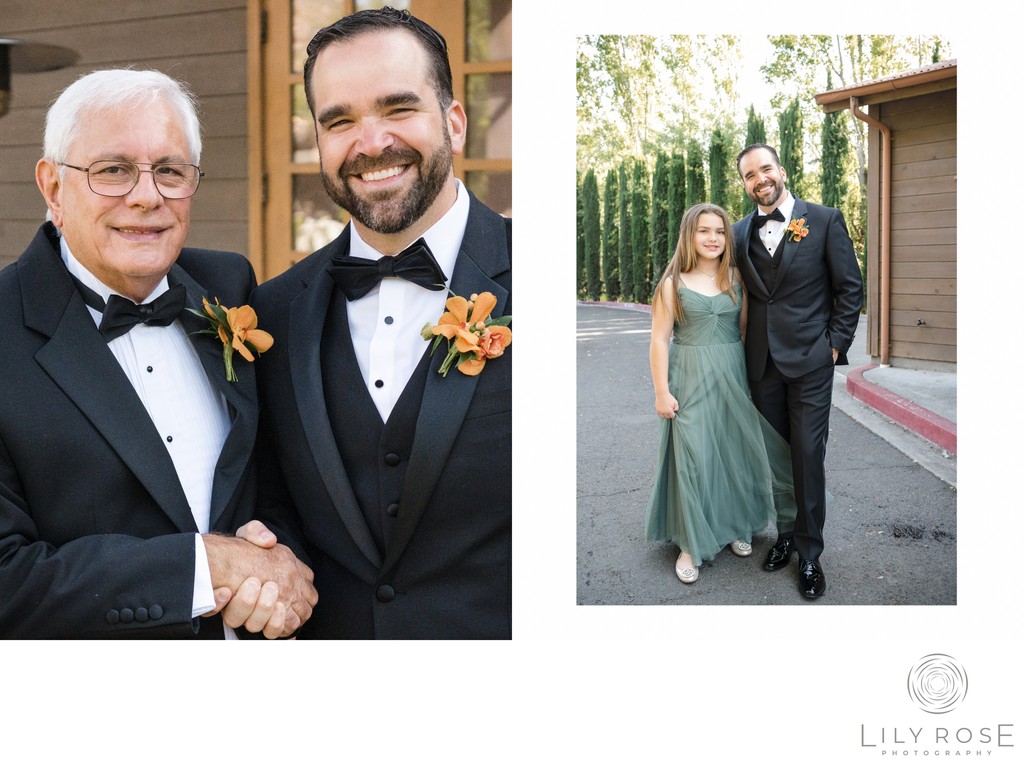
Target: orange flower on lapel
{"type": "Point", "coordinates": [797, 230]}
{"type": "Point", "coordinates": [236, 328]}
{"type": "Point", "coordinates": [473, 335]}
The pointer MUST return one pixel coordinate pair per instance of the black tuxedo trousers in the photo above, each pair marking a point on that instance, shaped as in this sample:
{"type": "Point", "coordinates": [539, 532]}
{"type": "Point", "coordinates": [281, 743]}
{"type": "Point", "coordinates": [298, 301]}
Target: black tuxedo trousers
{"type": "Point", "coordinates": [802, 303]}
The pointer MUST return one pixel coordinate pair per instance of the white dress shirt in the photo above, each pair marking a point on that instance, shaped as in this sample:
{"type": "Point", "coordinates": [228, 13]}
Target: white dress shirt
{"type": "Point", "coordinates": [189, 413]}
{"type": "Point", "coordinates": [771, 233]}
{"type": "Point", "coordinates": [385, 323]}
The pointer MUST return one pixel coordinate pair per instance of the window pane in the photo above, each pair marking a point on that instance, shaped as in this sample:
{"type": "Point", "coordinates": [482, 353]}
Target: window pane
{"type": "Point", "coordinates": [494, 189]}
{"type": "Point", "coordinates": [303, 132]}
{"type": "Point", "coordinates": [488, 30]}
{"type": "Point", "coordinates": [316, 220]}
{"type": "Point", "coordinates": [308, 18]}
{"type": "Point", "coordinates": [489, 107]}
{"type": "Point", "coordinates": [398, 5]}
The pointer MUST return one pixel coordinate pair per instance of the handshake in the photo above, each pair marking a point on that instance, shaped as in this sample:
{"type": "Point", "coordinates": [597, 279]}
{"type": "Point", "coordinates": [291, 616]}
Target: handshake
{"type": "Point", "coordinates": [258, 583]}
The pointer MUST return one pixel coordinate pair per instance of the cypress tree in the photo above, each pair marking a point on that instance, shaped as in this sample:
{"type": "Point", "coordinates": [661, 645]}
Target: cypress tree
{"type": "Point", "coordinates": [610, 235]}
{"type": "Point", "coordinates": [791, 148]}
{"type": "Point", "coordinates": [718, 166]}
{"type": "Point", "coordinates": [755, 135]}
{"type": "Point", "coordinates": [592, 235]}
{"type": "Point", "coordinates": [640, 230]}
{"type": "Point", "coordinates": [835, 148]}
{"type": "Point", "coordinates": [581, 270]}
{"type": "Point", "coordinates": [676, 202]}
{"type": "Point", "coordinates": [694, 175]}
{"type": "Point", "coordinates": [659, 218]}
{"type": "Point", "coordinates": [625, 237]}
{"type": "Point", "coordinates": [755, 128]}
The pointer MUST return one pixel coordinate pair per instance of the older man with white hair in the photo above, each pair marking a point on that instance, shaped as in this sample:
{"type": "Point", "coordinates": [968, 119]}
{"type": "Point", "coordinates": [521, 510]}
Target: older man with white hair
{"type": "Point", "coordinates": [125, 450]}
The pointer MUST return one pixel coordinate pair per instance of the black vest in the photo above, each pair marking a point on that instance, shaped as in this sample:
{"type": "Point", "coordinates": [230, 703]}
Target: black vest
{"type": "Point", "coordinates": [375, 454]}
{"type": "Point", "coordinates": [767, 265]}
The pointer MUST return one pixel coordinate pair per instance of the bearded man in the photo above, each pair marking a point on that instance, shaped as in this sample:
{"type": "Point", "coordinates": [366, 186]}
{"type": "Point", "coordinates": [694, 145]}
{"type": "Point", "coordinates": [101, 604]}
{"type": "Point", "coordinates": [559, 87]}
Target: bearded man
{"type": "Point", "coordinates": [805, 293]}
{"type": "Point", "coordinates": [393, 480]}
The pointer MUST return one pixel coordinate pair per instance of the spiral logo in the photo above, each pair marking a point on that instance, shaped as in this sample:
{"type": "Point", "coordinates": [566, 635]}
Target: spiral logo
{"type": "Point", "coordinates": [937, 683]}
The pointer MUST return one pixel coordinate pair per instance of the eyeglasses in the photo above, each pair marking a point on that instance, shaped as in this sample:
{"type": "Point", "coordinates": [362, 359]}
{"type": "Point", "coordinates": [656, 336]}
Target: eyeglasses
{"type": "Point", "coordinates": [115, 178]}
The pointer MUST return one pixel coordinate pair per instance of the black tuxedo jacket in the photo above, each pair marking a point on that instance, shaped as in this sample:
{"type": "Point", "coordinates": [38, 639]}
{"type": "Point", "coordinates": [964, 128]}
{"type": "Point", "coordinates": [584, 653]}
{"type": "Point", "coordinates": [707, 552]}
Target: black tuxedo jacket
{"type": "Point", "coordinates": [96, 535]}
{"type": "Point", "coordinates": [447, 569]}
{"type": "Point", "coordinates": [815, 303]}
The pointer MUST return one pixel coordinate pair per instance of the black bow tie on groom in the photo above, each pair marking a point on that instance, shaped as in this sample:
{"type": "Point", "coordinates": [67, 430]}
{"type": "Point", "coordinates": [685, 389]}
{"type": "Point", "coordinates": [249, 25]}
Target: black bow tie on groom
{"type": "Point", "coordinates": [357, 276]}
{"type": "Point", "coordinates": [120, 314]}
{"type": "Point", "coordinates": [761, 220]}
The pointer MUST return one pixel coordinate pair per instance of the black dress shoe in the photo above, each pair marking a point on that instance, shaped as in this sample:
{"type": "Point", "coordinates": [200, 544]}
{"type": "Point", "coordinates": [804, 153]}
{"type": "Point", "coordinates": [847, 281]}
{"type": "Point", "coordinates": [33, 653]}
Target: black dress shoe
{"type": "Point", "coordinates": [778, 554]}
{"type": "Point", "coordinates": [812, 579]}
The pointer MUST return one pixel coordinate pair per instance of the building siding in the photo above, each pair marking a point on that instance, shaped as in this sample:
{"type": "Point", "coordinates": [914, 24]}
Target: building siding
{"type": "Point", "coordinates": [201, 42]}
{"type": "Point", "coordinates": [923, 235]}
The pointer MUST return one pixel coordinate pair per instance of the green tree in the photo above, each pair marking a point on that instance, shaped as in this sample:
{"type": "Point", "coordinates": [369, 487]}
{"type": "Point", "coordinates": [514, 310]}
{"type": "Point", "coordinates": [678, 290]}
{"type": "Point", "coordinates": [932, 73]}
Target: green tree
{"type": "Point", "coordinates": [791, 148]}
{"type": "Point", "coordinates": [592, 235]}
{"type": "Point", "coordinates": [755, 135]}
{"type": "Point", "coordinates": [625, 236]}
{"type": "Point", "coordinates": [659, 217]}
{"type": "Point", "coordinates": [581, 263]}
{"type": "Point", "coordinates": [640, 229]}
{"type": "Point", "coordinates": [676, 201]}
{"type": "Point", "coordinates": [617, 95]}
{"type": "Point", "coordinates": [610, 235]}
{"type": "Point", "coordinates": [718, 167]}
{"type": "Point", "coordinates": [802, 63]}
{"type": "Point", "coordinates": [638, 93]}
{"type": "Point", "coordinates": [694, 174]}
{"type": "Point", "coordinates": [835, 151]}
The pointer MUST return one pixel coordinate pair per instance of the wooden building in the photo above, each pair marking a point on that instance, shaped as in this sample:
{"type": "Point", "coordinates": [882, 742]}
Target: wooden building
{"type": "Point", "coordinates": [911, 259]}
{"type": "Point", "coordinates": [261, 194]}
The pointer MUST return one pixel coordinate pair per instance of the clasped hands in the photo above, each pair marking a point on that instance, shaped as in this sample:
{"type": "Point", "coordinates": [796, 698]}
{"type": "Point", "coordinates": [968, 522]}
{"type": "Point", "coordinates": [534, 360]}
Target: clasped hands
{"type": "Point", "coordinates": [258, 583]}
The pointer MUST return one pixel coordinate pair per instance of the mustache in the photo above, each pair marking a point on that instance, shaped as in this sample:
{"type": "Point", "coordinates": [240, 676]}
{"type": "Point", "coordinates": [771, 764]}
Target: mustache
{"type": "Point", "coordinates": [386, 159]}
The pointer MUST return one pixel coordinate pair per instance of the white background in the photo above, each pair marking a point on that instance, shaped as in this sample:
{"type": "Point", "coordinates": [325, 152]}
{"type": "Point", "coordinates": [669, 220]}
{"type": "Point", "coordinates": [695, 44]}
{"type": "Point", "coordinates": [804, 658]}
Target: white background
{"type": "Point", "coordinates": [602, 685]}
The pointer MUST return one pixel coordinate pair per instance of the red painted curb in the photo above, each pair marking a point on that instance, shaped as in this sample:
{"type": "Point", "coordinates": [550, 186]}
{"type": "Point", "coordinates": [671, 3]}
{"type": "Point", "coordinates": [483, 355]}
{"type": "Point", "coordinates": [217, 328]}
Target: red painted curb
{"type": "Point", "coordinates": [924, 423]}
{"type": "Point", "coordinates": [932, 427]}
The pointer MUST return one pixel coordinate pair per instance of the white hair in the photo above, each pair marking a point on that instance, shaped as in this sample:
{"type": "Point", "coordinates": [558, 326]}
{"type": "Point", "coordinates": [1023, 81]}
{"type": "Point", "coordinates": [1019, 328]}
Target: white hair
{"type": "Point", "coordinates": [112, 89]}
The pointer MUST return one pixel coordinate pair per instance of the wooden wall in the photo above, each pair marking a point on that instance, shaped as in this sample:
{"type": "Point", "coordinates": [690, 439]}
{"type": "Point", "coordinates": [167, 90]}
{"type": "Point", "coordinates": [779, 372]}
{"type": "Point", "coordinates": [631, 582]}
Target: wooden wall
{"type": "Point", "coordinates": [202, 42]}
{"type": "Point", "coordinates": [923, 244]}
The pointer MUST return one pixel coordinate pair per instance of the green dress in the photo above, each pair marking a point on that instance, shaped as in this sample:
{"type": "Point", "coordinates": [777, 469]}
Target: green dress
{"type": "Point", "coordinates": [723, 472]}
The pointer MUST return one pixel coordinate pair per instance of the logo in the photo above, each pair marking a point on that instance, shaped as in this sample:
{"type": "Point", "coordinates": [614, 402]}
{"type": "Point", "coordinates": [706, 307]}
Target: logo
{"type": "Point", "coordinates": [937, 683]}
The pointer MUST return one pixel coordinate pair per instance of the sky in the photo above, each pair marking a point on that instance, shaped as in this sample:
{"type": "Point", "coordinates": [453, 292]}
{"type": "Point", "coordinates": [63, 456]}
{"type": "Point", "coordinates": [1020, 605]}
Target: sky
{"type": "Point", "coordinates": [751, 86]}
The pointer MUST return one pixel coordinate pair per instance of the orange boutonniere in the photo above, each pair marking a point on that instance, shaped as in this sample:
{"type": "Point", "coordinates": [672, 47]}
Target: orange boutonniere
{"type": "Point", "coordinates": [473, 335]}
{"type": "Point", "coordinates": [236, 328]}
{"type": "Point", "coordinates": [797, 230]}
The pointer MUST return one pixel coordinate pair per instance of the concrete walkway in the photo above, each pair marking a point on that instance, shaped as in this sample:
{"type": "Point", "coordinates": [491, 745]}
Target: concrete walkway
{"type": "Point", "coordinates": [891, 529]}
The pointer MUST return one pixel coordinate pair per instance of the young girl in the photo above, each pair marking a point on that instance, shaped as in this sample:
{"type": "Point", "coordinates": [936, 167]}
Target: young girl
{"type": "Point", "coordinates": [715, 483]}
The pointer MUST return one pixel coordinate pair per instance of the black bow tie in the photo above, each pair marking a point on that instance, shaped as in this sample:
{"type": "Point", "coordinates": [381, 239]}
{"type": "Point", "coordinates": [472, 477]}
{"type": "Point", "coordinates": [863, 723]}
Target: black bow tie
{"type": "Point", "coordinates": [120, 314]}
{"type": "Point", "coordinates": [761, 220]}
{"type": "Point", "coordinates": [357, 276]}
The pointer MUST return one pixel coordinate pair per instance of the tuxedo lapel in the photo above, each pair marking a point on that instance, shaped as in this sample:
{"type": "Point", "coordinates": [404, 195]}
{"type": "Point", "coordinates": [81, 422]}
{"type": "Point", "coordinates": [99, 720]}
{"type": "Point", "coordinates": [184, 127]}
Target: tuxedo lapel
{"type": "Point", "coordinates": [790, 250]}
{"type": "Point", "coordinates": [308, 316]}
{"type": "Point", "coordinates": [240, 395]}
{"type": "Point", "coordinates": [753, 279]}
{"type": "Point", "coordinates": [483, 255]}
{"type": "Point", "coordinates": [79, 362]}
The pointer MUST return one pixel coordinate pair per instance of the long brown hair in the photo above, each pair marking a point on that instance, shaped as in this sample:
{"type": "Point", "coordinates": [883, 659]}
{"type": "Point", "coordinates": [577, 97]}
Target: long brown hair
{"type": "Point", "coordinates": [685, 257]}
